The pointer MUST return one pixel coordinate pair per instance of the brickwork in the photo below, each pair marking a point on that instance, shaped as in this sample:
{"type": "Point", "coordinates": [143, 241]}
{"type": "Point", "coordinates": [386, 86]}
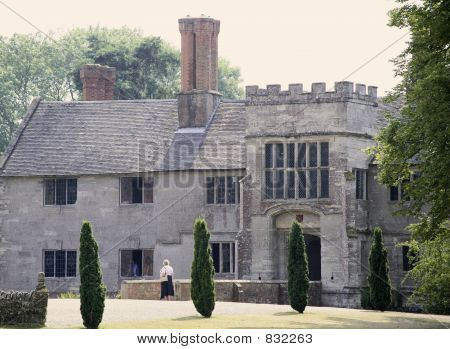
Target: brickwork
{"type": "Point", "coordinates": [98, 82]}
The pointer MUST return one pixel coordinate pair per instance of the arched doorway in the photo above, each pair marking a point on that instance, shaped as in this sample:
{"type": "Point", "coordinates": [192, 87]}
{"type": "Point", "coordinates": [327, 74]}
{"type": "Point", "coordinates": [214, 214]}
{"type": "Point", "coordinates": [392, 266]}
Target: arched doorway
{"type": "Point", "coordinates": [311, 231]}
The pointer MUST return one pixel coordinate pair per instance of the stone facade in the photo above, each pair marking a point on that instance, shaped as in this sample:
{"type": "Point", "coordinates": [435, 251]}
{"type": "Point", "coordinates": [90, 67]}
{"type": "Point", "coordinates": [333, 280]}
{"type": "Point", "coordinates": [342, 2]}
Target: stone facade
{"type": "Point", "coordinates": [180, 144]}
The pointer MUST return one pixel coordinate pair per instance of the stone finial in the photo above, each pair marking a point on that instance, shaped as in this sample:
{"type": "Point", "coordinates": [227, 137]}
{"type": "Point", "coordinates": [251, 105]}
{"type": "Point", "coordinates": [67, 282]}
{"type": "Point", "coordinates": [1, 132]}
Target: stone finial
{"type": "Point", "coordinates": [295, 89]}
{"type": "Point", "coordinates": [344, 87]}
{"type": "Point", "coordinates": [318, 87]}
{"type": "Point", "coordinates": [273, 89]}
{"type": "Point", "coordinates": [372, 91]}
{"type": "Point", "coordinates": [251, 90]}
{"type": "Point", "coordinates": [360, 89]}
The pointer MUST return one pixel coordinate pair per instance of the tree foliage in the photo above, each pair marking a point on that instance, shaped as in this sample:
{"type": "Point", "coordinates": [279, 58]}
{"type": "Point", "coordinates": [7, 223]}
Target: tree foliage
{"type": "Point", "coordinates": [36, 65]}
{"type": "Point", "coordinates": [298, 281]}
{"type": "Point", "coordinates": [379, 282]}
{"type": "Point", "coordinates": [202, 271]}
{"type": "Point", "coordinates": [92, 289]}
{"type": "Point", "coordinates": [431, 271]}
{"type": "Point", "coordinates": [418, 139]}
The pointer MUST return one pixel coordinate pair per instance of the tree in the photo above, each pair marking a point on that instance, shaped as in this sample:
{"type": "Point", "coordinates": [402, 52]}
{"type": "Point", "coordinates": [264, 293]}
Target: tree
{"type": "Point", "coordinates": [432, 273]}
{"type": "Point", "coordinates": [379, 282]}
{"type": "Point", "coordinates": [202, 271]}
{"type": "Point", "coordinates": [298, 281]}
{"type": "Point", "coordinates": [418, 138]}
{"type": "Point", "coordinates": [230, 80]}
{"type": "Point", "coordinates": [92, 289]}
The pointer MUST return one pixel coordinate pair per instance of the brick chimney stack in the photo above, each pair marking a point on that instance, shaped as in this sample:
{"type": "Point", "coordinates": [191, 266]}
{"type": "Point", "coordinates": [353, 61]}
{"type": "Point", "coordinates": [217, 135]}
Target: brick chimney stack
{"type": "Point", "coordinates": [98, 82]}
{"type": "Point", "coordinates": [199, 70]}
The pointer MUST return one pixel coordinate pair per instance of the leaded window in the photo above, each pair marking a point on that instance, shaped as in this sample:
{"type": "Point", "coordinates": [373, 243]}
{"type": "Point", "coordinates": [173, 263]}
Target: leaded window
{"type": "Point", "coordinates": [60, 191]}
{"type": "Point", "coordinates": [136, 262]}
{"type": "Point", "coordinates": [223, 190]}
{"type": "Point", "coordinates": [60, 263]}
{"type": "Point", "coordinates": [223, 255]}
{"type": "Point", "coordinates": [361, 184]}
{"type": "Point", "coordinates": [136, 190]}
{"type": "Point", "coordinates": [296, 170]}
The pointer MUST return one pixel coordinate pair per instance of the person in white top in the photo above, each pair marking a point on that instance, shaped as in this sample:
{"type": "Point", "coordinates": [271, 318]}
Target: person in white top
{"type": "Point", "coordinates": [166, 275]}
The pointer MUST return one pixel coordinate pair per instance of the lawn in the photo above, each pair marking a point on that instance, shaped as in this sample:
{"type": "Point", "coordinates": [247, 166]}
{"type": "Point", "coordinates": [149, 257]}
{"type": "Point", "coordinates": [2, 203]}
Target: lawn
{"type": "Point", "coordinates": [310, 319]}
{"type": "Point", "coordinates": [128, 313]}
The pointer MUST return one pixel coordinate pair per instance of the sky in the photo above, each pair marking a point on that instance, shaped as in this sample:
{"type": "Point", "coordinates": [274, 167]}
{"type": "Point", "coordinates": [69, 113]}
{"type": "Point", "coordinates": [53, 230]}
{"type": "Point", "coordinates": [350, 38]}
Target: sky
{"type": "Point", "coordinates": [272, 42]}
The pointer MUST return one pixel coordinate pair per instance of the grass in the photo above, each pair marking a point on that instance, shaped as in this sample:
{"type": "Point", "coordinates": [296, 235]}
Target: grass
{"type": "Point", "coordinates": [68, 295]}
{"type": "Point", "coordinates": [364, 319]}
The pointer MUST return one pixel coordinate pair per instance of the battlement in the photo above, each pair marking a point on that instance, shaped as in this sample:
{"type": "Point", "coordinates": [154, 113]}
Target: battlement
{"type": "Point", "coordinates": [343, 91]}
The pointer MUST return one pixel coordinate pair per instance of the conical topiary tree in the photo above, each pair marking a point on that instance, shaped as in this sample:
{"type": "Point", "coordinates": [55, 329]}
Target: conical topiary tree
{"type": "Point", "coordinates": [202, 271]}
{"type": "Point", "coordinates": [298, 280]}
{"type": "Point", "coordinates": [379, 282]}
{"type": "Point", "coordinates": [92, 289]}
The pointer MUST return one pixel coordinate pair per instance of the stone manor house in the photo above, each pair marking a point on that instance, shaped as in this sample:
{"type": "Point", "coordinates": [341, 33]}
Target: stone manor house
{"type": "Point", "coordinates": [141, 171]}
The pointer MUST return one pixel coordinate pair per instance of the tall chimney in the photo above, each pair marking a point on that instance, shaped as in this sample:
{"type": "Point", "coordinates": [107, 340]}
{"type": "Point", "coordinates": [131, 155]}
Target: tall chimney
{"type": "Point", "coordinates": [199, 70]}
{"type": "Point", "coordinates": [98, 82]}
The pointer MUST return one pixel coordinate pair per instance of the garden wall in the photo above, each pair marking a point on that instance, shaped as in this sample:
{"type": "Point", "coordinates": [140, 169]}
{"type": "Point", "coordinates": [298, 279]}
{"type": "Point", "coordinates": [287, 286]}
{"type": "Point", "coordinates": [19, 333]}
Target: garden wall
{"type": "Point", "coordinates": [245, 291]}
{"type": "Point", "coordinates": [24, 308]}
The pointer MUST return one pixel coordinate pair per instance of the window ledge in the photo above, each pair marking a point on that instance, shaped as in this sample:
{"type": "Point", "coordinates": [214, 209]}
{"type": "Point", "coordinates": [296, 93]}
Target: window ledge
{"type": "Point", "coordinates": [137, 204]}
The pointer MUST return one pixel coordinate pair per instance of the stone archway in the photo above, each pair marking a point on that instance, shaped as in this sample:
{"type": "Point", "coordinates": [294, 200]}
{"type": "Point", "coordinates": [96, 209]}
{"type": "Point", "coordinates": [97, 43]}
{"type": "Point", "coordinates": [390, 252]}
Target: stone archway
{"type": "Point", "coordinates": [311, 229]}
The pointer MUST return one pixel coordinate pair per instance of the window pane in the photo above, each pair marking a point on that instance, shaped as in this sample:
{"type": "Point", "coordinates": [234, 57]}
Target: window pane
{"type": "Point", "coordinates": [126, 259]}
{"type": "Point", "coordinates": [269, 185]}
{"type": "Point", "coordinates": [279, 155]}
{"type": "Point", "coordinates": [71, 263]}
{"type": "Point", "coordinates": [291, 185]}
{"type": "Point", "coordinates": [126, 190]}
{"type": "Point", "coordinates": [268, 156]}
{"type": "Point", "coordinates": [136, 265]}
{"type": "Point", "coordinates": [215, 252]}
{"type": "Point", "coordinates": [136, 185]}
{"type": "Point", "coordinates": [49, 263]}
{"type": "Point", "coordinates": [406, 265]}
{"type": "Point", "coordinates": [313, 183]}
{"type": "Point", "coordinates": [324, 154]}
{"type": "Point", "coordinates": [324, 183]}
{"type": "Point", "coordinates": [220, 190]}
{"type": "Point", "coordinates": [279, 184]}
{"type": "Point", "coordinates": [61, 191]}
{"type": "Point", "coordinates": [210, 190]}
{"type": "Point", "coordinates": [148, 190]}
{"type": "Point", "coordinates": [358, 184]}
{"type": "Point", "coordinates": [49, 187]}
{"type": "Point", "coordinates": [312, 154]}
{"type": "Point", "coordinates": [147, 269]}
{"type": "Point", "coordinates": [291, 155]}
{"type": "Point", "coordinates": [301, 155]}
{"type": "Point", "coordinates": [231, 190]}
{"type": "Point", "coordinates": [394, 193]}
{"type": "Point", "coordinates": [233, 246]}
{"type": "Point", "coordinates": [60, 261]}
{"type": "Point", "coordinates": [301, 184]}
{"type": "Point", "coordinates": [226, 258]}
{"type": "Point", "coordinates": [71, 191]}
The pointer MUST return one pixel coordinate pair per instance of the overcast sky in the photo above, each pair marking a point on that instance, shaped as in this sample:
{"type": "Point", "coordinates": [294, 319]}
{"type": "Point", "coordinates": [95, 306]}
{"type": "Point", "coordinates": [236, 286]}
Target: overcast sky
{"type": "Point", "coordinates": [273, 42]}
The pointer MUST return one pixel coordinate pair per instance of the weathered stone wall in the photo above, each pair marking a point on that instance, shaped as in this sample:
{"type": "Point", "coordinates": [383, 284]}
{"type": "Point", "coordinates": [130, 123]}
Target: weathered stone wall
{"type": "Point", "coordinates": [245, 291]}
{"type": "Point", "coordinates": [28, 227]}
{"type": "Point", "coordinates": [24, 308]}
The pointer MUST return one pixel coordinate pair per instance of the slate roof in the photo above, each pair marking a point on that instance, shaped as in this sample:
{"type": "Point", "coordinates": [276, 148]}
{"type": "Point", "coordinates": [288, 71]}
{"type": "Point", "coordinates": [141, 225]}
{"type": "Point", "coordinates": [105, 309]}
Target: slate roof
{"type": "Point", "coordinates": [100, 137]}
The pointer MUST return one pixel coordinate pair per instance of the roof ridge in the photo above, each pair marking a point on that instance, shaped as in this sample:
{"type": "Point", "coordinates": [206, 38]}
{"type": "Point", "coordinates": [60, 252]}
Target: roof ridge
{"type": "Point", "coordinates": [26, 119]}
